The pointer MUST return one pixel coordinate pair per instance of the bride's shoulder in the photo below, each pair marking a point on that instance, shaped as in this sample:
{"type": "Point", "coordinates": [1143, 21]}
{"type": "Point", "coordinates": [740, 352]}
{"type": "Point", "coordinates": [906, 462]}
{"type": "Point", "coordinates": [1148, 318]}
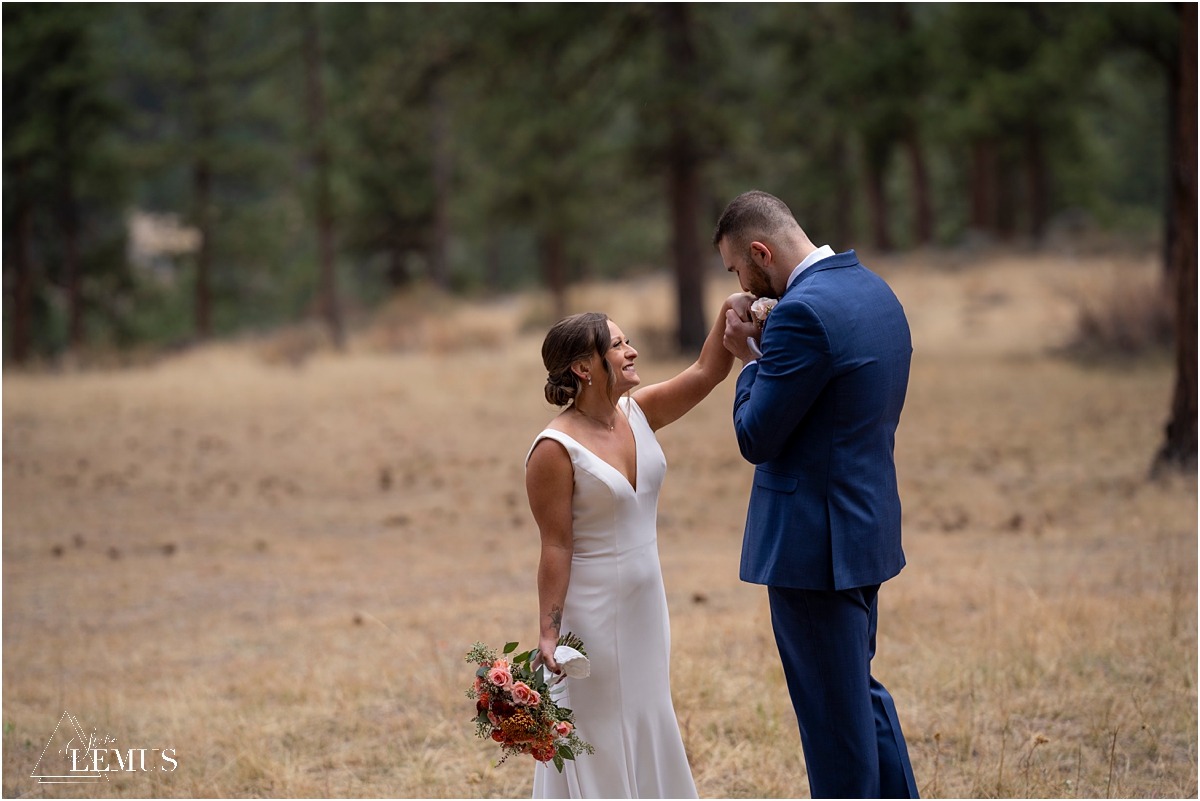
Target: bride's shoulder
{"type": "Point", "coordinates": [550, 451]}
{"type": "Point", "coordinates": [558, 432]}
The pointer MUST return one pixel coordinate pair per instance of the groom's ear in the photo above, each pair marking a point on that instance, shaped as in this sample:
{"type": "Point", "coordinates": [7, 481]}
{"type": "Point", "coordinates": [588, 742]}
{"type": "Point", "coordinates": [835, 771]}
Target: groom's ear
{"type": "Point", "coordinates": [760, 253]}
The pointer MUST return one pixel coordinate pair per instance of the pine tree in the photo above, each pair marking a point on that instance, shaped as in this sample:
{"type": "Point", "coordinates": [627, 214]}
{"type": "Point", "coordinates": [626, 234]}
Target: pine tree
{"type": "Point", "coordinates": [57, 126]}
{"type": "Point", "coordinates": [1179, 450]}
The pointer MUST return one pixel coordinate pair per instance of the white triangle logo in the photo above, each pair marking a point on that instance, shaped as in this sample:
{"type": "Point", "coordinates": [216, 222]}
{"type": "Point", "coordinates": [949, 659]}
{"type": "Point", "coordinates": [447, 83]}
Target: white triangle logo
{"type": "Point", "coordinates": [65, 760]}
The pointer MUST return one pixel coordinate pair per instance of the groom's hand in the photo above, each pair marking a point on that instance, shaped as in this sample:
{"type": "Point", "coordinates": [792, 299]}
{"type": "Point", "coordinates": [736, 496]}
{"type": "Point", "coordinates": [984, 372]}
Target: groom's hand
{"type": "Point", "coordinates": [737, 331]}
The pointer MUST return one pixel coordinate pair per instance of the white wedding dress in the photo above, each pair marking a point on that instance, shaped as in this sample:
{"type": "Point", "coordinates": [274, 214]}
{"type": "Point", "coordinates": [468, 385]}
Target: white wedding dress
{"type": "Point", "coordinates": [617, 605]}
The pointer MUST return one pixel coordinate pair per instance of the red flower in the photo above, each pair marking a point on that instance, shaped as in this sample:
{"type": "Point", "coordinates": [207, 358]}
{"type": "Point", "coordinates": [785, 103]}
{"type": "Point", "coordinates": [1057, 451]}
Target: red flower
{"type": "Point", "coordinates": [497, 735]}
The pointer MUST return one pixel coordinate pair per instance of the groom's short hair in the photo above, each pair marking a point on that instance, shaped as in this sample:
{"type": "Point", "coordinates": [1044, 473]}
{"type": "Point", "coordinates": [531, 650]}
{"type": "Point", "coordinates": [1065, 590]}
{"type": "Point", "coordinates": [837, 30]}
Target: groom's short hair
{"type": "Point", "coordinates": [750, 216]}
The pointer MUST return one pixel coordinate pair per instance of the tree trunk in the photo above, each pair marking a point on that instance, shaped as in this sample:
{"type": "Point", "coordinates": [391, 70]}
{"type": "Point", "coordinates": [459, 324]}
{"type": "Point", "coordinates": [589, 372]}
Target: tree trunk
{"type": "Point", "coordinates": [922, 207]}
{"type": "Point", "coordinates": [22, 266]}
{"type": "Point", "coordinates": [397, 273]}
{"type": "Point", "coordinates": [202, 180]}
{"type": "Point", "coordinates": [843, 213]}
{"type": "Point", "coordinates": [983, 166]}
{"type": "Point", "coordinates": [1037, 183]}
{"type": "Point", "coordinates": [683, 178]}
{"type": "Point", "coordinates": [554, 266]}
{"type": "Point", "coordinates": [1171, 221]}
{"type": "Point", "coordinates": [68, 214]}
{"type": "Point", "coordinates": [71, 265]}
{"type": "Point", "coordinates": [1006, 199]}
{"type": "Point", "coordinates": [877, 203]}
{"type": "Point", "coordinates": [1179, 450]}
{"type": "Point", "coordinates": [491, 260]}
{"type": "Point", "coordinates": [202, 176]}
{"type": "Point", "coordinates": [321, 163]}
{"type": "Point", "coordinates": [439, 261]}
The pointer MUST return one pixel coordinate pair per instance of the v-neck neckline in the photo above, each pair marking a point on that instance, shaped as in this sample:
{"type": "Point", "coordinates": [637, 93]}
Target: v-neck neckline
{"type": "Point", "coordinates": [614, 468]}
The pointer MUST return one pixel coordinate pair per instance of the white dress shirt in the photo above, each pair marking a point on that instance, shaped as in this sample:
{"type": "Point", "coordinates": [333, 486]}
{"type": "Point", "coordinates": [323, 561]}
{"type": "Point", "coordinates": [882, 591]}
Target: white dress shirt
{"type": "Point", "coordinates": [817, 255]}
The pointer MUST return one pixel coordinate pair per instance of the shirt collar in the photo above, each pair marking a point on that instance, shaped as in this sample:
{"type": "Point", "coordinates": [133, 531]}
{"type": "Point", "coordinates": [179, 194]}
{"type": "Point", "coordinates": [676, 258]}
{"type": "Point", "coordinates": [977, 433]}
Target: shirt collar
{"type": "Point", "coordinates": [823, 252]}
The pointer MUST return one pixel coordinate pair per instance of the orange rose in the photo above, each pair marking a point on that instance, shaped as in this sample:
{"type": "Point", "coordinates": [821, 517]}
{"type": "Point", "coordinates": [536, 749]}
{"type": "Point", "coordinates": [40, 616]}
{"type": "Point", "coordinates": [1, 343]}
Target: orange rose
{"type": "Point", "coordinates": [525, 695]}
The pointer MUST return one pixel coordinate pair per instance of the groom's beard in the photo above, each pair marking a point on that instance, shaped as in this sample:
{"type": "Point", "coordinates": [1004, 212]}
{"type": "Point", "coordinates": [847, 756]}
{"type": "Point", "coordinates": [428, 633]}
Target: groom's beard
{"type": "Point", "coordinates": [757, 282]}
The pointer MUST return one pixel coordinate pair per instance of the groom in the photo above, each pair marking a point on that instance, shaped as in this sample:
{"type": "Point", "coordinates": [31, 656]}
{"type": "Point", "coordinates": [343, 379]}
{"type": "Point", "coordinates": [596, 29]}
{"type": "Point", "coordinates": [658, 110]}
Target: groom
{"type": "Point", "coordinates": [816, 409]}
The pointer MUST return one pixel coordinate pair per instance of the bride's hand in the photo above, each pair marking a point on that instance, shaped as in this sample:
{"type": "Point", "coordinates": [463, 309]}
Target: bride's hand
{"type": "Point", "coordinates": [740, 303]}
{"type": "Point", "coordinates": [546, 655]}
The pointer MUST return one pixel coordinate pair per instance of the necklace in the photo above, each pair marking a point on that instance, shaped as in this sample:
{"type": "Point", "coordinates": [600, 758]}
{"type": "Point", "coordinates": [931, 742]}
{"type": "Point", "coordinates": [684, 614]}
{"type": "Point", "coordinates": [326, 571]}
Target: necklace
{"type": "Point", "coordinates": [610, 426]}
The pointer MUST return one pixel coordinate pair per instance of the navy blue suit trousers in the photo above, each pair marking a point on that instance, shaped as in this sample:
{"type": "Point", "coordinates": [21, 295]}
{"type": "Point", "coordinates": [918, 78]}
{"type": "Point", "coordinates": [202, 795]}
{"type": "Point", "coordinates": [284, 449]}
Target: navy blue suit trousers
{"type": "Point", "coordinates": [853, 746]}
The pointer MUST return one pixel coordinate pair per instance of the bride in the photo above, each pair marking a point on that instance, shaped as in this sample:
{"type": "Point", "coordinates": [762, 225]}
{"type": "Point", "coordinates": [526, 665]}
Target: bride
{"type": "Point", "coordinates": [593, 477]}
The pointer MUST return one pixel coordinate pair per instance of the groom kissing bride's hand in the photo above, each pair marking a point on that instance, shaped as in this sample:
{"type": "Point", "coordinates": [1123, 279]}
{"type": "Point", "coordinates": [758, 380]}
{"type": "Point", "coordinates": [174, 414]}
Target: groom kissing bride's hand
{"type": "Point", "coordinates": [817, 403]}
{"type": "Point", "coordinates": [740, 330]}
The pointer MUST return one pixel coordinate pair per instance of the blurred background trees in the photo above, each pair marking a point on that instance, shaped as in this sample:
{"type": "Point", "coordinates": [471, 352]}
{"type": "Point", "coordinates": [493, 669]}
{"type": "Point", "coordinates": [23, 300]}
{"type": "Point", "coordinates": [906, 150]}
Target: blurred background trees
{"type": "Point", "coordinates": [175, 172]}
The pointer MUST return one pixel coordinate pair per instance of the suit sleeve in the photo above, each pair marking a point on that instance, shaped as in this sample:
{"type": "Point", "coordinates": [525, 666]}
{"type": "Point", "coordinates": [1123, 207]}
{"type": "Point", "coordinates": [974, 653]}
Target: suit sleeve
{"type": "Point", "coordinates": [774, 394]}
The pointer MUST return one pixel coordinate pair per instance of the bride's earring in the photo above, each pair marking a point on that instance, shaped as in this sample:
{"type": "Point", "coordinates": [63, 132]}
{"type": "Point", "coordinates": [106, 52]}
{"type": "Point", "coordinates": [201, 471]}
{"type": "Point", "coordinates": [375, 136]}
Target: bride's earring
{"type": "Point", "coordinates": [589, 380]}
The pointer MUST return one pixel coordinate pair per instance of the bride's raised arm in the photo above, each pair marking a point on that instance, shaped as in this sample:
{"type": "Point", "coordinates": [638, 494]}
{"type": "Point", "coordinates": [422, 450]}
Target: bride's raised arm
{"type": "Point", "coordinates": [666, 402]}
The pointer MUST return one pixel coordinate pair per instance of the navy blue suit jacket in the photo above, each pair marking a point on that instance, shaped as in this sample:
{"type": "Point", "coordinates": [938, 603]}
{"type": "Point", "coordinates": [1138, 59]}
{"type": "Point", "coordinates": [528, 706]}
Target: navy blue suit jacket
{"type": "Point", "coordinates": [818, 414]}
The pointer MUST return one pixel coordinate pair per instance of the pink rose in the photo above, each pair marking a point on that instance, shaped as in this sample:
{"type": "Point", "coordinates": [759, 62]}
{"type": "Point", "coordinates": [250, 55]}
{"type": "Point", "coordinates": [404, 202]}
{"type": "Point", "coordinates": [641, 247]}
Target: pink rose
{"type": "Point", "coordinates": [499, 674]}
{"type": "Point", "coordinates": [761, 308]}
{"type": "Point", "coordinates": [563, 728]}
{"type": "Point", "coordinates": [478, 684]}
{"type": "Point", "coordinates": [495, 721]}
{"type": "Point", "coordinates": [525, 695]}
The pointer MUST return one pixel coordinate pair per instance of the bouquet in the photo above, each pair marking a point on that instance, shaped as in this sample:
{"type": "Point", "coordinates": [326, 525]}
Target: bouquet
{"type": "Point", "coordinates": [513, 704]}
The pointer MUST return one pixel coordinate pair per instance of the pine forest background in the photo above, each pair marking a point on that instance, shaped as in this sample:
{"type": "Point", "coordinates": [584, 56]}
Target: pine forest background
{"type": "Point", "coordinates": [290, 162]}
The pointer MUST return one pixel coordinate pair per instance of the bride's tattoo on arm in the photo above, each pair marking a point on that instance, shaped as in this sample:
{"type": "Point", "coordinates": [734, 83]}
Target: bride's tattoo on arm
{"type": "Point", "coordinates": [555, 616]}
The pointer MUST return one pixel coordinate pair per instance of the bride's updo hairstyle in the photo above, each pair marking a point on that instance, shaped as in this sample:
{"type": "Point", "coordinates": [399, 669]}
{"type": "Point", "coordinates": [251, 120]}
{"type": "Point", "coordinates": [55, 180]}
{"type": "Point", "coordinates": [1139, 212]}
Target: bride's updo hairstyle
{"type": "Point", "coordinates": [571, 340]}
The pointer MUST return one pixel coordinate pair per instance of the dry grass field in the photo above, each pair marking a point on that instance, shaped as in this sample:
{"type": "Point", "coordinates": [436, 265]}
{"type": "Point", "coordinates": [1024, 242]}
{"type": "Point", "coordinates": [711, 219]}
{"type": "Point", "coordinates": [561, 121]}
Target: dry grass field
{"type": "Point", "coordinates": [274, 564]}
